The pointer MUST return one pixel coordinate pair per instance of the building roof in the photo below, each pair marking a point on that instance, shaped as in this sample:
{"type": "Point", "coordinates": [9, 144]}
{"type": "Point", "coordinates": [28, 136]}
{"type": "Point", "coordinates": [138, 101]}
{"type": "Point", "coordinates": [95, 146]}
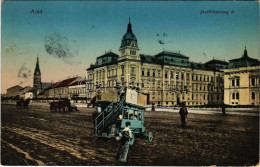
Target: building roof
{"type": "Point", "coordinates": [244, 61]}
{"type": "Point", "coordinates": [171, 54]}
{"type": "Point", "coordinates": [147, 58]}
{"type": "Point", "coordinates": [201, 66]}
{"type": "Point", "coordinates": [214, 61]}
{"type": "Point", "coordinates": [66, 82]}
{"type": "Point", "coordinates": [30, 90]}
{"type": "Point", "coordinates": [26, 87]}
{"type": "Point", "coordinates": [44, 85]}
{"type": "Point", "coordinates": [129, 39]}
{"type": "Point", "coordinates": [108, 54]}
{"type": "Point", "coordinates": [80, 82]}
{"type": "Point", "coordinates": [16, 86]}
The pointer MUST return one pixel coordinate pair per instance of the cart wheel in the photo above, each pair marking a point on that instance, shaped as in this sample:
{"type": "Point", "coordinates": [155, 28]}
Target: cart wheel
{"type": "Point", "coordinates": [150, 137]}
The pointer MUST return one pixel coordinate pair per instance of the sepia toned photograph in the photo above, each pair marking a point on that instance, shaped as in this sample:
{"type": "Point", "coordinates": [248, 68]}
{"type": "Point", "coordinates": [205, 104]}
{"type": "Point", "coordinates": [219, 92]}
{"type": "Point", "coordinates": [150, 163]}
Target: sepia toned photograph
{"type": "Point", "coordinates": [130, 83]}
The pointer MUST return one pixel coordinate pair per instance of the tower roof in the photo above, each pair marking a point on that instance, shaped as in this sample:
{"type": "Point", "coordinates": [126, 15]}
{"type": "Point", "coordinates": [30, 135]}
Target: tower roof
{"type": "Point", "coordinates": [244, 61]}
{"type": "Point", "coordinates": [37, 67]}
{"type": "Point", "coordinates": [129, 39]}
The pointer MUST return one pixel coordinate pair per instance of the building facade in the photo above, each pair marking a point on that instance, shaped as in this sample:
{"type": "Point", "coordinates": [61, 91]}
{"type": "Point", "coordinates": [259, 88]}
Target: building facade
{"type": "Point", "coordinates": [13, 91]}
{"type": "Point", "coordinates": [241, 81]}
{"type": "Point", "coordinates": [167, 78]}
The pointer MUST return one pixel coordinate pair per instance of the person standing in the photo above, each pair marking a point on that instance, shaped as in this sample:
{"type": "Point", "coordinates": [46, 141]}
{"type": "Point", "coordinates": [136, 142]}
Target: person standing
{"type": "Point", "coordinates": [96, 113]}
{"type": "Point", "coordinates": [183, 114]}
{"type": "Point", "coordinates": [126, 136]}
{"type": "Point", "coordinates": [153, 107]}
{"type": "Point", "coordinates": [223, 109]}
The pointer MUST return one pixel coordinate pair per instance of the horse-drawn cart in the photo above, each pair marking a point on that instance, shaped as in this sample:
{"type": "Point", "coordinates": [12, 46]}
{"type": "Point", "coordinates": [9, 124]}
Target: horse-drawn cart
{"type": "Point", "coordinates": [62, 105]}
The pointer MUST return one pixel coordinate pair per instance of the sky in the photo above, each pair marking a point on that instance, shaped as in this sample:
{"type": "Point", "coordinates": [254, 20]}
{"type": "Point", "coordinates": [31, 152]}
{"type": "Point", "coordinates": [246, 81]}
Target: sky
{"type": "Point", "coordinates": [68, 36]}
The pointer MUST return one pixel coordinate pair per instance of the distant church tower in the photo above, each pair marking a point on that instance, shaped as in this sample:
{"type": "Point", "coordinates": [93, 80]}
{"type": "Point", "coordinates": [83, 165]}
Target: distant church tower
{"type": "Point", "coordinates": [37, 76]}
{"type": "Point", "coordinates": [129, 48]}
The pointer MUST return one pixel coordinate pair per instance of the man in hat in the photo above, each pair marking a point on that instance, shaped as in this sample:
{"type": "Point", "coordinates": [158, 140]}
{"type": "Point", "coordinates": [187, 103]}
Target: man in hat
{"type": "Point", "coordinates": [183, 114]}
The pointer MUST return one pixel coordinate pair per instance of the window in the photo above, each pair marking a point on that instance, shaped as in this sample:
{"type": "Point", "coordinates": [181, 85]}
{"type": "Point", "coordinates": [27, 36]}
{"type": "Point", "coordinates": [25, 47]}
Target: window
{"type": "Point", "coordinates": [204, 97]}
{"type": "Point", "coordinates": [182, 76]}
{"type": "Point", "coordinates": [237, 95]}
{"type": "Point", "coordinates": [237, 82]}
{"type": "Point", "coordinates": [148, 73]}
{"type": "Point", "coordinates": [192, 77]}
{"type": "Point", "coordinates": [153, 73]}
{"type": "Point", "coordinates": [131, 114]}
{"type": "Point", "coordinates": [171, 74]}
{"type": "Point", "coordinates": [125, 116]}
{"type": "Point", "coordinates": [253, 96]}
{"type": "Point", "coordinates": [135, 115]}
{"type": "Point", "coordinates": [177, 75]}
{"type": "Point", "coordinates": [159, 73]}
{"type": "Point", "coordinates": [158, 84]}
{"type": "Point", "coordinates": [233, 96]}
{"type": "Point", "coordinates": [122, 70]}
{"type": "Point", "coordinates": [166, 74]}
{"type": "Point", "coordinates": [132, 52]}
{"type": "Point", "coordinates": [132, 71]}
{"type": "Point", "coordinates": [187, 75]}
{"type": "Point", "coordinates": [139, 115]}
{"type": "Point", "coordinates": [142, 72]}
{"type": "Point", "coordinates": [253, 81]}
{"type": "Point", "coordinates": [233, 82]}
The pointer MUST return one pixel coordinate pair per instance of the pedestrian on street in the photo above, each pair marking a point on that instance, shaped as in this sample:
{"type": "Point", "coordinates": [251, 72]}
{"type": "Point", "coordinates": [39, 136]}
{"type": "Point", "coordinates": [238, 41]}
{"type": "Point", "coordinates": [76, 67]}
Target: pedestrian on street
{"type": "Point", "coordinates": [183, 114]}
{"type": "Point", "coordinates": [153, 107]}
{"type": "Point", "coordinates": [223, 109]}
{"type": "Point", "coordinates": [126, 136]}
{"type": "Point", "coordinates": [96, 113]}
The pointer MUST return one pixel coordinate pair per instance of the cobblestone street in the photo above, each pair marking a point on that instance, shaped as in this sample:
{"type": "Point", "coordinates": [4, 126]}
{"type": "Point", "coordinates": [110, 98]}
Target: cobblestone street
{"type": "Point", "coordinates": [35, 136]}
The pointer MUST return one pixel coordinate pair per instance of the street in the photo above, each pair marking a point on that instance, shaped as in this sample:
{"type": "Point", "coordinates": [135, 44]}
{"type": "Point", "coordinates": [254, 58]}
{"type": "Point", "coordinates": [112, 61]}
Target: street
{"type": "Point", "coordinates": [35, 136]}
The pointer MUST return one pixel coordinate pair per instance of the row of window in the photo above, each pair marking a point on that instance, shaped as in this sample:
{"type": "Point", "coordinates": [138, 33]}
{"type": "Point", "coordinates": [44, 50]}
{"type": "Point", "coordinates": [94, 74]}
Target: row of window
{"type": "Point", "coordinates": [193, 97]}
{"type": "Point", "coordinates": [236, 96]}
{"type": "Point", "coordinates": [235, 82]}
{"type": "Point", "coordinates": [195, 77]}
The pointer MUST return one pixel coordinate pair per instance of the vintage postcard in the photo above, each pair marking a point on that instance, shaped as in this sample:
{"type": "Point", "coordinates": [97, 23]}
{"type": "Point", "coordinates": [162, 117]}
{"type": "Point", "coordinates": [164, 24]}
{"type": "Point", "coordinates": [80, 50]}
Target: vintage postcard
{"type": "Point", "coordinates": [135, 83]}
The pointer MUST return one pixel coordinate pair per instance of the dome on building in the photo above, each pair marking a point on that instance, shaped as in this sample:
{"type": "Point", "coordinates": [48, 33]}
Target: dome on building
{"type": "Point", "coordinates": [129, 39]}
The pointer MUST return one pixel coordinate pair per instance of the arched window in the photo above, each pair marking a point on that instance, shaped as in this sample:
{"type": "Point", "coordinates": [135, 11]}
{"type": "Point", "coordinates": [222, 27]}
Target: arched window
{"type": "Point", "coordinates": [237, 95]}
{"type": "Point", "coordinates": [233, 96]}
{"type": "Point", "coordinates": [253, 96]}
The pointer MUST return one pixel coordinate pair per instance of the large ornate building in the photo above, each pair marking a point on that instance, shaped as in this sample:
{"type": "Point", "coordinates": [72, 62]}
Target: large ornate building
{"type": "Point", "coordinates": [241, 81]}
{"type": "Point", "coordinates": [167, 78]}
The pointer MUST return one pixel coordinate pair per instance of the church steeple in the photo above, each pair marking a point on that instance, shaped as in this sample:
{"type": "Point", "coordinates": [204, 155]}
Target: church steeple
{"type": "Point", "coordinates": [37, 67]}
{"type": "Point", "coordinates": [36, 77]}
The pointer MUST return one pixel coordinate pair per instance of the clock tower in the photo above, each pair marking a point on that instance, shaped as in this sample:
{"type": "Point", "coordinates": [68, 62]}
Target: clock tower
{"type": "Point", "coordinates": [129, 48]}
